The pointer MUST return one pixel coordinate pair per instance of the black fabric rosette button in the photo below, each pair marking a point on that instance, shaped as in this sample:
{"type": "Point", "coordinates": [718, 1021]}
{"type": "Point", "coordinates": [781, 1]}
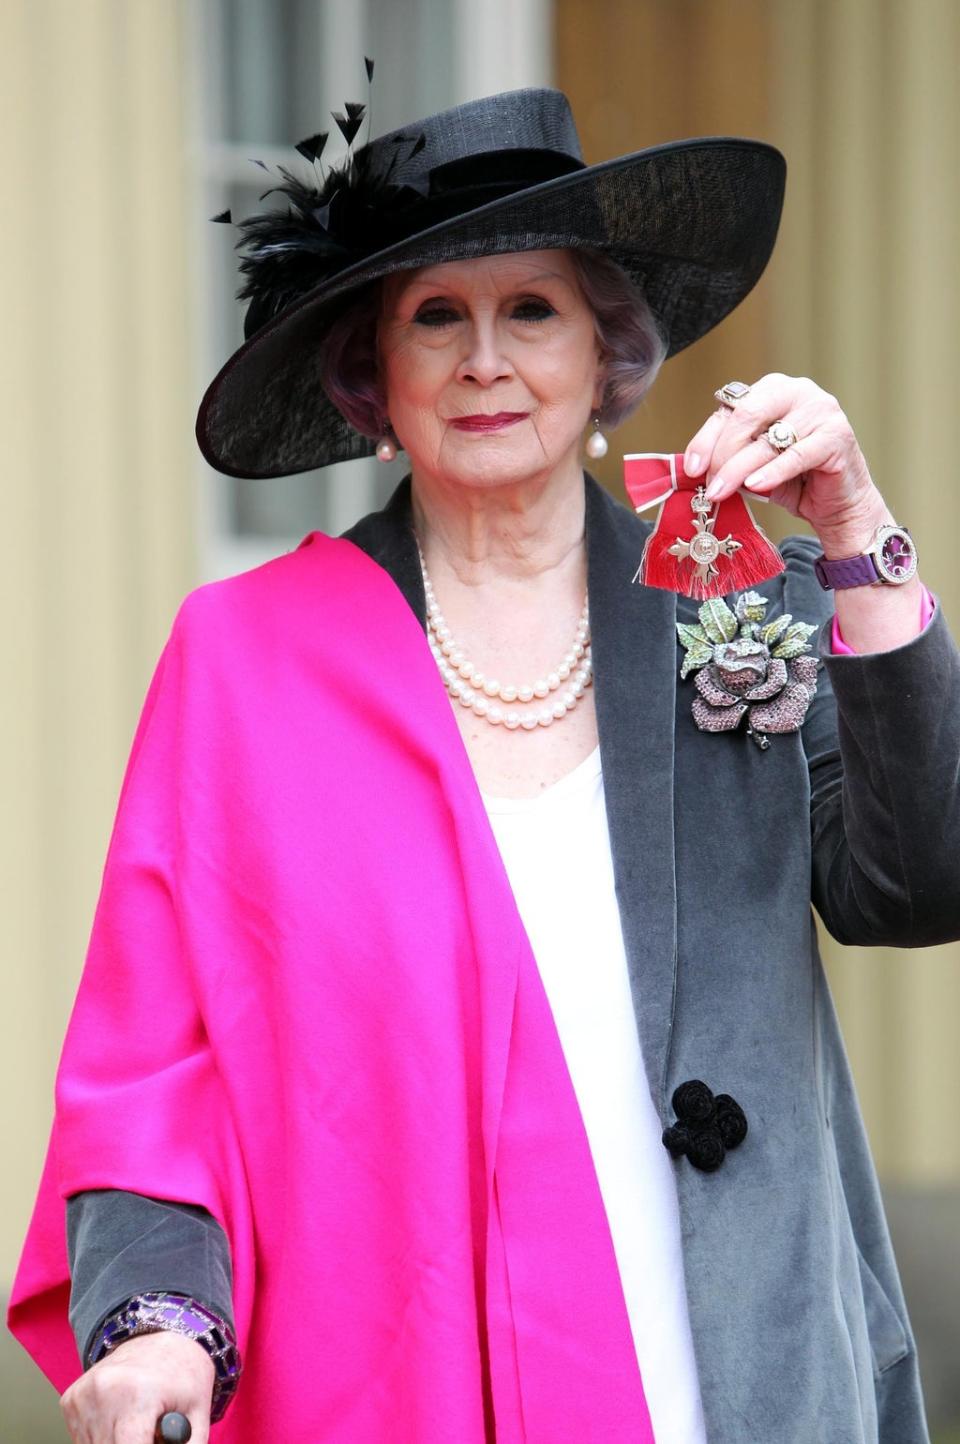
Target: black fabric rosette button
{"type": "Point", "coordinates": [706, 1126]}
{"type": "Point", "coordinates": [731, 1121]}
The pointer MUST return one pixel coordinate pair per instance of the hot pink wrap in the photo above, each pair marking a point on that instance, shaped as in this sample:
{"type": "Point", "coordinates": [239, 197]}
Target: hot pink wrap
{"type": "Point", "coordinates": [310, 1005]}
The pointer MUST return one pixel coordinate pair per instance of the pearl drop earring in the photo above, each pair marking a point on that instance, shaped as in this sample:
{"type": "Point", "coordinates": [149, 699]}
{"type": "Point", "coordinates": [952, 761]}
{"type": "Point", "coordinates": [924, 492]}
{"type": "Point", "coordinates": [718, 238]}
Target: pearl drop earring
{"type": "Point", "coordinates": [596, 442]}
{"type": "Point", "coordinates": [386, 446]}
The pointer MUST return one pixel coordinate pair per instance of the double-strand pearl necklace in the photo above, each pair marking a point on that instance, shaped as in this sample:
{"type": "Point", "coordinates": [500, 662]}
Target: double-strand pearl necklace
{"type": "Point", "coordinates": [468, 685]}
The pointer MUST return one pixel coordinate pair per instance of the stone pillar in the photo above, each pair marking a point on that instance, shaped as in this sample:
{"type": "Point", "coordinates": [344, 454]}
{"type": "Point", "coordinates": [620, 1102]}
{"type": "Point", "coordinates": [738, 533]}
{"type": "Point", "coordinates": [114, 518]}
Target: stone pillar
{"type": "Point", "coordinates": [98, 488]}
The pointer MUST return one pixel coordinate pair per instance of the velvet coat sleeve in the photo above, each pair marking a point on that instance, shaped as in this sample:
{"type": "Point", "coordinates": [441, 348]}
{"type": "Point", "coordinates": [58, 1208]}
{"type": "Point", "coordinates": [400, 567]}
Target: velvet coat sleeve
{"type": "Point", "coordinates": [121, 1244]}
{"type": "Point", "coordinates": [882, 740]}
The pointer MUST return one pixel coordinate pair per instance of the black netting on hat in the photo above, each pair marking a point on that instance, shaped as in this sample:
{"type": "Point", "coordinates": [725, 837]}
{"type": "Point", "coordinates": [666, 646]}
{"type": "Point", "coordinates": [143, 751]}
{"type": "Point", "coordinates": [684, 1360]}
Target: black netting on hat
{"type": "Point", "coordinates": [693, 224]}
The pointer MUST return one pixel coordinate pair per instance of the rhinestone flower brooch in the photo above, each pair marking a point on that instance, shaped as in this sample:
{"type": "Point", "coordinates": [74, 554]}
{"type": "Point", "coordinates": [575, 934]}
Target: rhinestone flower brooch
{"type": "Point", "coordinates": [745, 667]}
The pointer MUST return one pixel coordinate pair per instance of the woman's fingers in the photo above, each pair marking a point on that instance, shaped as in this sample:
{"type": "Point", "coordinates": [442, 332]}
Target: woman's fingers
{"type": "Point", "coordinates": [773, 398]}
{"type": "Point", "coordinates": [760, 467]}
{"type": "Point", "coordinates": [730, 427]}
{"type": "Point", "coordinates": [734, 450]}
{"type": "Point", "coordinates": [76, 1428]}
{"type": "Point", "coordinates": [120, 1399]}
{"type": "Point", "coordinates": [740, 467]}
{"type": "Point", "coordinates": [699, 452]}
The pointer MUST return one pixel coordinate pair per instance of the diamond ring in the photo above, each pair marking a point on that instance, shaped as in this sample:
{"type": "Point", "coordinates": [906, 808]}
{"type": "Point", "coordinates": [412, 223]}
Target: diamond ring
{"type": "Point", "coordinates": [781, 435]}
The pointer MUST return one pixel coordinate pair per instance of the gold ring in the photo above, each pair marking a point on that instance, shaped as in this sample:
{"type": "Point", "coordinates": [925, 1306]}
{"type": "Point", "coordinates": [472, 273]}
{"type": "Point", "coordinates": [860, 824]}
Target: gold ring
{"type": "Point", "coordinates": [730, 394]}
{"type": "Point", "coordinates": [781, 436]}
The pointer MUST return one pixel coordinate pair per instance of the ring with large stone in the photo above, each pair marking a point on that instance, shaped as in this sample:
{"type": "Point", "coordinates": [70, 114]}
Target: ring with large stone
{"type": "Point", "coordinates": [730, 394]}
{"type": "Point", "coordinates": [781, 435]}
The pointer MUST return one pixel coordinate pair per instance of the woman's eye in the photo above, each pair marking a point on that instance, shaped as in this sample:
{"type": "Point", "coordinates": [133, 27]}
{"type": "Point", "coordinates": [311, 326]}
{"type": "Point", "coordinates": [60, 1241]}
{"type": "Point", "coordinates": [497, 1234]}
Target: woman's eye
{"type": "Point", "coordinates": [435, 316]}
{"type": "Point", "coordinates": [533, 309]}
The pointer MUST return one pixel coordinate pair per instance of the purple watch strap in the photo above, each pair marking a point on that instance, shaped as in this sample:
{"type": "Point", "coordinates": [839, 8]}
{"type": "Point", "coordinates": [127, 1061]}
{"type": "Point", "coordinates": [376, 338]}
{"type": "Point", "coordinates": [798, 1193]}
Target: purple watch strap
{"type": "Point", "coordinates": [846, 572]}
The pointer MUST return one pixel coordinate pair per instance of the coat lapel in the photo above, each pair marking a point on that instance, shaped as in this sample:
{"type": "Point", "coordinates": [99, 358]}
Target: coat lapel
{"type": "Point", "coordinates": [635, 671]}
{"type": "Point", "coordinates": [388, 537]}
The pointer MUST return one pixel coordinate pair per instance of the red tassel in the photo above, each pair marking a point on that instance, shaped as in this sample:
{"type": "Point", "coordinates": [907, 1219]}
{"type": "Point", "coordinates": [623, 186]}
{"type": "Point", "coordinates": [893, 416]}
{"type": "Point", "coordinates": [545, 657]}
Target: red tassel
{"type": "Point", "coordinates": [651, 479]}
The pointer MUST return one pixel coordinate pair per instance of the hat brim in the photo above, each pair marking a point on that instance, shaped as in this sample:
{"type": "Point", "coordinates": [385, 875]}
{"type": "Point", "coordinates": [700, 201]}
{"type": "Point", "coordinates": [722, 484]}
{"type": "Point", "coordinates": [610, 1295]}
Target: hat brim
{"type": "Point", "coordinates": [693, 223]}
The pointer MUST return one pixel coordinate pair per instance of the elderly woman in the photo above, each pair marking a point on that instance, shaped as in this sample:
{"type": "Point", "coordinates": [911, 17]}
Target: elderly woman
{"type": "Point", "coordinates": [453, 1059]}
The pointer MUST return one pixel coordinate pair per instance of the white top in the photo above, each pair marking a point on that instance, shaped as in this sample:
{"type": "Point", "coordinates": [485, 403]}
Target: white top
{"type": "Point", "coordinates": [556, 850]}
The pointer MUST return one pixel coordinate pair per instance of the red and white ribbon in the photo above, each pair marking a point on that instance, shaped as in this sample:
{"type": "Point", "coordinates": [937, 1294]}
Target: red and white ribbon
{"type": "Point", "coordinates": [743, 557]}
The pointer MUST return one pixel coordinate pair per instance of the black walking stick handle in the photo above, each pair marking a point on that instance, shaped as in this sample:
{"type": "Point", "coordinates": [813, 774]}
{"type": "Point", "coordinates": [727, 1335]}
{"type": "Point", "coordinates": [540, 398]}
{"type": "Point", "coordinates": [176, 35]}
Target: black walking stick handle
{"type": "Point", "coordinates": [172, 1428]}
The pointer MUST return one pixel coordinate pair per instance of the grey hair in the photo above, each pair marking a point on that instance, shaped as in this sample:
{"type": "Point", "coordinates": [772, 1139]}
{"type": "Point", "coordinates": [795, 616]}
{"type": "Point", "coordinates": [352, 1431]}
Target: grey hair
{"type": "Point", "coordinates": [631, 345]}
{"type": "Point", "coordinates": [630, 340]}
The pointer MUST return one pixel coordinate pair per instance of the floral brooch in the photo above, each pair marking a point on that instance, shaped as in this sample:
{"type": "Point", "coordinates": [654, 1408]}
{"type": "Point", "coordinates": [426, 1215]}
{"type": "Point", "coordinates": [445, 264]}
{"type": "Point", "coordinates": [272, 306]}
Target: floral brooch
{"type": "Point", "coordinates": [745, 667]}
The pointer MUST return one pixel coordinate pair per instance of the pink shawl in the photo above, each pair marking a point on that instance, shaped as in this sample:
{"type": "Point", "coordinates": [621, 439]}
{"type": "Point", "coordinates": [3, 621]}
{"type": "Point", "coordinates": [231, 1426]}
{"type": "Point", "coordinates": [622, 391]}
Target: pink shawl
{"type": "Point", "coordinates": [310, 1006]}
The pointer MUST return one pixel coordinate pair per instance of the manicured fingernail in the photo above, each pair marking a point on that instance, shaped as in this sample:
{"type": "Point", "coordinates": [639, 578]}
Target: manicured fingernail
{"type": "Point", "coordinates": [752, 482]}
{"type": "Point", "coordinates": [715, 488]}
{"type": "Point", "coordinates": [693, 464]}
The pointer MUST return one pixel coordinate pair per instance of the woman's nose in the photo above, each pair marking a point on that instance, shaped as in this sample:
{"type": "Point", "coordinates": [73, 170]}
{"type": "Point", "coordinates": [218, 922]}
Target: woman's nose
{"type": "Point", "coordinates": [484, 359]}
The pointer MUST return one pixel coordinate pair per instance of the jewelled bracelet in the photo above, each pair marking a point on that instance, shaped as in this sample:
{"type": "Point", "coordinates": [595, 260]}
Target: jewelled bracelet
{"type": "Point", "coordinates": [161, 1312]}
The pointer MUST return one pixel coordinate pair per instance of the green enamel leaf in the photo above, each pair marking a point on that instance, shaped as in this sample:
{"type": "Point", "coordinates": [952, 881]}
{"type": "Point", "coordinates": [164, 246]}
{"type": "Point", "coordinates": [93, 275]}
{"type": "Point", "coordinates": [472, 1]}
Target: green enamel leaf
{"type": "Point", "coordinates": [750, 630]}
{"type": "Point", "coordinates": [697, 656]}
{"type": "Point", "coordinates": [795, 641]}
{"type": "Point", "coordinates": [774, 630]}
{"type": "Point", "coordinates": [718, 621]}
{"type": "Point", "coordinates": [691, 635]}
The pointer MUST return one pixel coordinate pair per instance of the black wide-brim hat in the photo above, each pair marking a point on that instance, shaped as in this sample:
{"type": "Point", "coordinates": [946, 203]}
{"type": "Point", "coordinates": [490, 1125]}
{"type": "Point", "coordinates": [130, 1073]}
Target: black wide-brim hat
{"type": "Point", "coordinates": [693, 223]}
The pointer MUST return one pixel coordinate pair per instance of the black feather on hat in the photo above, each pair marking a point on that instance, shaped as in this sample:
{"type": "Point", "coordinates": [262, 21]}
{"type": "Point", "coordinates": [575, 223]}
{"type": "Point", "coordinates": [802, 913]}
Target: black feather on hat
{"type": "Point", "coordinates": [692, 223]}
{"type": "Point", "coordinates": [325, 227]}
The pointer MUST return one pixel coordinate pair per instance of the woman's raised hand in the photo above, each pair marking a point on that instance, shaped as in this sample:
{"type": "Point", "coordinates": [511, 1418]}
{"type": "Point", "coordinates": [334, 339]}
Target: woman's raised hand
{"type": "Point", "coordinates": [822, 476]}
{"type": "Point", "coordinates": [120, 1399]}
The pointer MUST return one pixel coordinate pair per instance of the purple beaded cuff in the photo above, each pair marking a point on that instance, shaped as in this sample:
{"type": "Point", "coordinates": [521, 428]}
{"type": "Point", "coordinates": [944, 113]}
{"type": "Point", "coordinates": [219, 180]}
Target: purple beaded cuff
{"type": "Point", "coordinates": [153, 1313]}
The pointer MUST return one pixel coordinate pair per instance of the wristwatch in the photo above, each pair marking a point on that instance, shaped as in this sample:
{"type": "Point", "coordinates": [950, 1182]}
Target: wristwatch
{"type": "Point", "coordinates": [890, 561]}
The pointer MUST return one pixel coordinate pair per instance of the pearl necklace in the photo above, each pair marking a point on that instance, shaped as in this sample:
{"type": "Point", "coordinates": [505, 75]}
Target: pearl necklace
{"type": "Point", "coordinates": [467, 685]}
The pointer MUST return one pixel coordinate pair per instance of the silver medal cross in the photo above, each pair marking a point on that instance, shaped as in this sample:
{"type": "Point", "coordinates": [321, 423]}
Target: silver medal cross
{"type": "Point", "coordinates": [703, 548]}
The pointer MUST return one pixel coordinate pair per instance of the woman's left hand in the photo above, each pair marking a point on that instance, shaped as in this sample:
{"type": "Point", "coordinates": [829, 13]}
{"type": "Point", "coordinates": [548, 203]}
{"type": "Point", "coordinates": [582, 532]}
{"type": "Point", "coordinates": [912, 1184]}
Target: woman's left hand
{"type": "Point", "coordinates": [823, 477]}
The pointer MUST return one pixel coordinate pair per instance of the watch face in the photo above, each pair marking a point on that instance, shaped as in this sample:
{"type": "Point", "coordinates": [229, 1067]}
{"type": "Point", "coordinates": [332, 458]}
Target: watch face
{"type": "Point", "coordinates": [895, 555]}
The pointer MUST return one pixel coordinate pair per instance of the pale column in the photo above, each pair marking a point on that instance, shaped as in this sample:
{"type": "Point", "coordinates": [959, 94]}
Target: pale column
{"type": "Point", "coordinates": [502, 45]}
{"type": "Point", "coordinates": [97, 482]}
{"type": "Point", "coordinates": [867, 107]}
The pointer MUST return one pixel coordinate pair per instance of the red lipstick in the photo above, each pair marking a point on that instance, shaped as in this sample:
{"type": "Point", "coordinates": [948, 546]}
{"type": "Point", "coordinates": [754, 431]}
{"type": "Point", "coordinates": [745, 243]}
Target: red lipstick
{"type": "Point", "coordinates": [484, 422]}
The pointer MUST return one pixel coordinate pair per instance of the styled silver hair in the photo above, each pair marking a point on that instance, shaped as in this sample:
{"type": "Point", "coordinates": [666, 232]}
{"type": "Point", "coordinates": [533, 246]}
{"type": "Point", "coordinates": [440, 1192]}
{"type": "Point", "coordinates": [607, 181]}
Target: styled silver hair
{"type": "Point", "coordinates": [629, 337]}
{"type": "Point", "coordinates": [630, 341]}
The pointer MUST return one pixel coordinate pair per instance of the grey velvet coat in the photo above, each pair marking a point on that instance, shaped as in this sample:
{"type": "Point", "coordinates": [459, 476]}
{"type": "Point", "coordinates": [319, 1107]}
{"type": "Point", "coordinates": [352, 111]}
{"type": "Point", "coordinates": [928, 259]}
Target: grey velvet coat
{"type": "Point", "coordinates": [799, 1325]}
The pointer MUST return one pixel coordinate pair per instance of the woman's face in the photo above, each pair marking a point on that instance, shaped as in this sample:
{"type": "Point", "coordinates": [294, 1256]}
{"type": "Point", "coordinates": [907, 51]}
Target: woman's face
{"type": "Point", "coordinates": [491, 367]}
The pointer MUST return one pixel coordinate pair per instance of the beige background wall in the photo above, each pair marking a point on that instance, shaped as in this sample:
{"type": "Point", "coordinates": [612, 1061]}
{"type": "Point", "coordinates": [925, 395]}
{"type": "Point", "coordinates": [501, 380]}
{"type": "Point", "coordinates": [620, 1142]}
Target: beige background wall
{"type": "Point", "coordinates": [98, 471]}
